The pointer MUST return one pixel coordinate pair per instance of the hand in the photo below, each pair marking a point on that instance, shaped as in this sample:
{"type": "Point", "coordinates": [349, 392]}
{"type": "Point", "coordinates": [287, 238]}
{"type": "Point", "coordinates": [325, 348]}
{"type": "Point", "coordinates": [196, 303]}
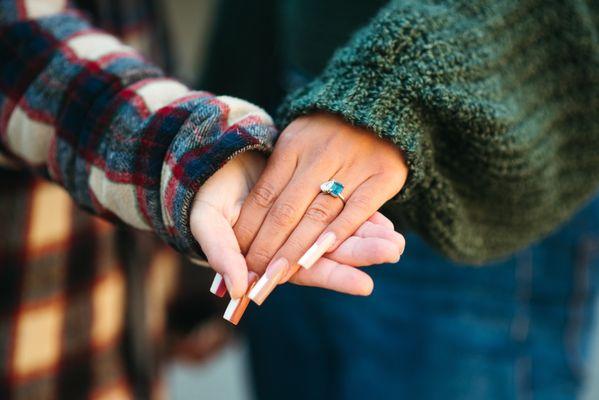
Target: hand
{"type": "Point", "coordinates": [285, 212]}
{"type": "Point", "coordinates": [216, 209]}
{"type": "Point", "coordinates": [375, 242]}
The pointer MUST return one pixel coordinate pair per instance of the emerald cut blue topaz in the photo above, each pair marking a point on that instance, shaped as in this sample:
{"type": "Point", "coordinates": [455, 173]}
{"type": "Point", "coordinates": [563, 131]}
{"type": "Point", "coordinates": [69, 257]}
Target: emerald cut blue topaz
{"type": "Point", "coordinates": [333, 188]}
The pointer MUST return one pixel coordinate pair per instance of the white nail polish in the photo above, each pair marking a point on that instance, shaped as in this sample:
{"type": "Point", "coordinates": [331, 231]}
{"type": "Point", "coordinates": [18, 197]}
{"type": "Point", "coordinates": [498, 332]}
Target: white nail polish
{"type": "Point", "coordinates": [231, 307]}
{"type": "Point", "coordinates": [258, 287]}
{"type": "Point", "coordinates": [267, 283]}
{"type": "Point", "coordinates": [217, 285]}
{"type": "Point", "coordinates": [236, 307]}
{"type": "Point", "coordinates": [322, 245]}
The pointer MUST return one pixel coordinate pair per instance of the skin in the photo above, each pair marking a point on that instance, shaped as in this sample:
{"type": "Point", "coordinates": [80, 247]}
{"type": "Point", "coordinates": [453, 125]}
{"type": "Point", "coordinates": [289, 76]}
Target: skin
{"type": "Point", "coordinates": [213, 217]}
{"type": "Point", "coordinates": [285, 212]}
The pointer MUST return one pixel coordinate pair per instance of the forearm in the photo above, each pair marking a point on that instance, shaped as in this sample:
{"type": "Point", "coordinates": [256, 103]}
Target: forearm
{"type": "Point", "coordinates": [124, 140]}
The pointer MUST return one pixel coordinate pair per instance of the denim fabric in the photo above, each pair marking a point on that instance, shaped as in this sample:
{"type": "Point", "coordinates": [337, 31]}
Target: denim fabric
{"type": "Point", "coordinates": [516, 329]}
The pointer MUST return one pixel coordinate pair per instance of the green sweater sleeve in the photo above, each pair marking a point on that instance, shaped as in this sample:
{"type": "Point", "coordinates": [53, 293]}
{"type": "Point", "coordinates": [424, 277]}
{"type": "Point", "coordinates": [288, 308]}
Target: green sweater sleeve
{"type": "Point", "coordinates": [494, 105]}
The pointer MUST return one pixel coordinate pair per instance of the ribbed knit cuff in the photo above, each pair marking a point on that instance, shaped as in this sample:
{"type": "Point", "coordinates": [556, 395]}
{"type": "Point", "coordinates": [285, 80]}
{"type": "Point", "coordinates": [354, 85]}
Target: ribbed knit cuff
{"type": "Point", "coordinates": [393, 118]}
{"type": "Point", "coordinates": [481, 98]}
{"type": "Point", "coordinates": [343, 93]}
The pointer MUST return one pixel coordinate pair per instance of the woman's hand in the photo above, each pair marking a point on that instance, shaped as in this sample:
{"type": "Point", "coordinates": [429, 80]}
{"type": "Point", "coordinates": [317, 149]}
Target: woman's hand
{"type": "Point", "coordinates": [215, 211]}
{"type": "Point", "coordinates": [285, 212]}
{"type": "Point", "coordinates": [375, 242]}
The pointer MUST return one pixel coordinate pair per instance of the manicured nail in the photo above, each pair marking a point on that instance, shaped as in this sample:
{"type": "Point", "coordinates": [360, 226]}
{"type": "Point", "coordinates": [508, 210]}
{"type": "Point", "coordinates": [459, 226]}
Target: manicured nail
{"type": "Point", "coordinates": [322, 245]}
{"type": "Point", "coordinates": [237, 307]}
{"type": "Point", "coordinates": [218, 288]}
{"type": "Point", "coordinates": [267, 283]}
{"type": "Point", "coordinates": [228, 284]}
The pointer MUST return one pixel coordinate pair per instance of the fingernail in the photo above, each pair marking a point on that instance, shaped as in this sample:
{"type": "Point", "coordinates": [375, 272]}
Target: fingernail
{"type": "Point", "coordinates": [267, 283]}
{"type": "Point", "coordinates": [237, 307]}
{"type": "Point", "coordinates": [228, 284]}
{"type": "Point", "coordinates": [218, 287]}
{"type": "Point", "coordinates": [322, 245]}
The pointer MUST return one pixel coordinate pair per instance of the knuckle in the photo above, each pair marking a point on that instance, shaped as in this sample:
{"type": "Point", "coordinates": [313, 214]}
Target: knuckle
{"type": "Point", "coordinates": [344, 223]}
{"type": "Point", "coordinates": [351, 281]}
{"type": "Point", "coordinates": [283, 214]}
{"type": "Point", "coordinates": [292, 248]}
{"type": "Point", "coordinates": [396, 180]}
{"type": "Point", "coordinates": [264, 195]}
{"type": "Point", "coordinates": [319, 152]}
{"type": "Point", "coordinates": [244, 235]}
{"type": "Point", "coordinates": [319, 212]}
{"type": "Point", "coordinates": [258, 259]}
{"type": "Point", "coordinates": [242, 230]}
{"type": "Point", "coordinates": [327, 280]}
{"type": "Point", "coordinates": [287, 144]}
{"type": "Point", "coordinates": [360, 202]}
{"type": "Point", "coordinates": [383, 254]}
{"type": "Point", "coordinates": [284, 146]}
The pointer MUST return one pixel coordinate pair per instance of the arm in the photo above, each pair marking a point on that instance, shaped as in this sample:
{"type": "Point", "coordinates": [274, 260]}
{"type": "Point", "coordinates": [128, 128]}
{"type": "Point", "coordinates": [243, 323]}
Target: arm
{"type": "Point", "coordinates": [493, 105]}
{"type": "Point", "coordinates": [127, 143]}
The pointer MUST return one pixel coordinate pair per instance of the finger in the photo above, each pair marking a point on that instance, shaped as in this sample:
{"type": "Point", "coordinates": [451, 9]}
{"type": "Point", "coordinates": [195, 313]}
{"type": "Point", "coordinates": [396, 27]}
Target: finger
{"type": "Point", "coordinates": [328, 274]}
{"type": "Point", "coordinates": [217, 240]}
{"type": "Point", "coordinates": [362, 203]}
{"type": "Point", "coordinates": [300, 246]}
{"type": "Point", "coordinates": [284, 216]}
{"type": "Point", "coordinates": [371, 244]}
{"type": "Point", "coordinates": [276, 175]}
{"type": "Point", "coordinates": [269, 281]}
{"type": "Point", "coordinates": [371, 230]}
{"type": "Point", "coordinates": [380, 219]}
{"type": "Point", "coordinates": [363, 255]}
{"type": "Point", "coordinates": [357, 251]}
{"type": "Point", "coordinates": [237, 307]}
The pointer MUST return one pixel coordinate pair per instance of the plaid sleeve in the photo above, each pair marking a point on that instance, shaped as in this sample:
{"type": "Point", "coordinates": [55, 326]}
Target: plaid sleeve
{"type": "Point", "coordinates": [128, 143]}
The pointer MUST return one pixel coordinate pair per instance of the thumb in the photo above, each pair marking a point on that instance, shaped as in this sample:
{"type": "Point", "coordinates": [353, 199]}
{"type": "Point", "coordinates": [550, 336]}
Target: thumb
{"type": "Point", "coordinates": [215, 236]}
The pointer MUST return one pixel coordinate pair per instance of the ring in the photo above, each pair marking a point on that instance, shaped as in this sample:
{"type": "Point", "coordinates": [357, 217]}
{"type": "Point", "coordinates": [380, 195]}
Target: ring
{"type": "Point", "coordinates": [333, 188]}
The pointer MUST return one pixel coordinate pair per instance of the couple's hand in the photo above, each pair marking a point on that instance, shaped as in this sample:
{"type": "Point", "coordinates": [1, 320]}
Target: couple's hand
{"type": "Point", "coordinates": [278, 211]}
{"type": "Point", "coordinates": [285, 212]}
{"type": "Point", "coordinates": [217, 206]}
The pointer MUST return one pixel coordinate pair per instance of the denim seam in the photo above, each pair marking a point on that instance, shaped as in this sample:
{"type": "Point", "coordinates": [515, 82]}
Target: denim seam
{"type": "Point", "coordinates": [520, 327]}
{"type": "Point", "coordinates": [579, 298]}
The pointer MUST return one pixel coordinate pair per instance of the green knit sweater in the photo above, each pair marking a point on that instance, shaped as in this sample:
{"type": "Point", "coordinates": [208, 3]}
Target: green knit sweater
{"type": "Point", "coordinates": [495, 105]}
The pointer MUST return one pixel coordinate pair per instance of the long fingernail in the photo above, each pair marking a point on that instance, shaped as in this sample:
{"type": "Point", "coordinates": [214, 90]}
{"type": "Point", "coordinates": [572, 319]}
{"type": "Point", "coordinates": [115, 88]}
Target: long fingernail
{"type": "Point", "coordinates": [218, 288]}
{"type": "Point", "coordinates": [322, 245]}
{"type": "Point", "coordinates": [228, 284]}
{"type": "Point", "coordinates": [269, 280]}
{"type": "Point", "coordinates": [237, 307]}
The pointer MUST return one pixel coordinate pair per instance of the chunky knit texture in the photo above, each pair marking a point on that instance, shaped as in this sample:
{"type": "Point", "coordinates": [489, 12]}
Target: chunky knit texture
{"type": "Point", "coordinates": [495, 105]}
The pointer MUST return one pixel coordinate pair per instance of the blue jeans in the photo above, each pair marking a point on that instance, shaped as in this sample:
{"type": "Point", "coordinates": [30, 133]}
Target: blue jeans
{"type": "Point", "coordinates": [433, 329]}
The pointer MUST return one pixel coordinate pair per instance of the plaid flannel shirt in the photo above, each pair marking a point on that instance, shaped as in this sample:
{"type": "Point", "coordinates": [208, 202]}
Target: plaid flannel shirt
{"type": "Point", "coordinates": [86, 111]}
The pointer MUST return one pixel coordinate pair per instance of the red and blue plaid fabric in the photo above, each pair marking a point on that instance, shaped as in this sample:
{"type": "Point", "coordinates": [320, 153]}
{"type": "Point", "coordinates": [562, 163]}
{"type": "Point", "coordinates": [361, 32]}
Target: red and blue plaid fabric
{"type": "Point", "coordinates": [86, 111]}
{"type": "Point", "coordinates": [126, 142]}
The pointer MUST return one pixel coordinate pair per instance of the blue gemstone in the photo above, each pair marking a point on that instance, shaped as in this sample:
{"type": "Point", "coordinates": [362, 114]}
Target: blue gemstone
{"type": "Point", "coordinates": [336, 188]}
